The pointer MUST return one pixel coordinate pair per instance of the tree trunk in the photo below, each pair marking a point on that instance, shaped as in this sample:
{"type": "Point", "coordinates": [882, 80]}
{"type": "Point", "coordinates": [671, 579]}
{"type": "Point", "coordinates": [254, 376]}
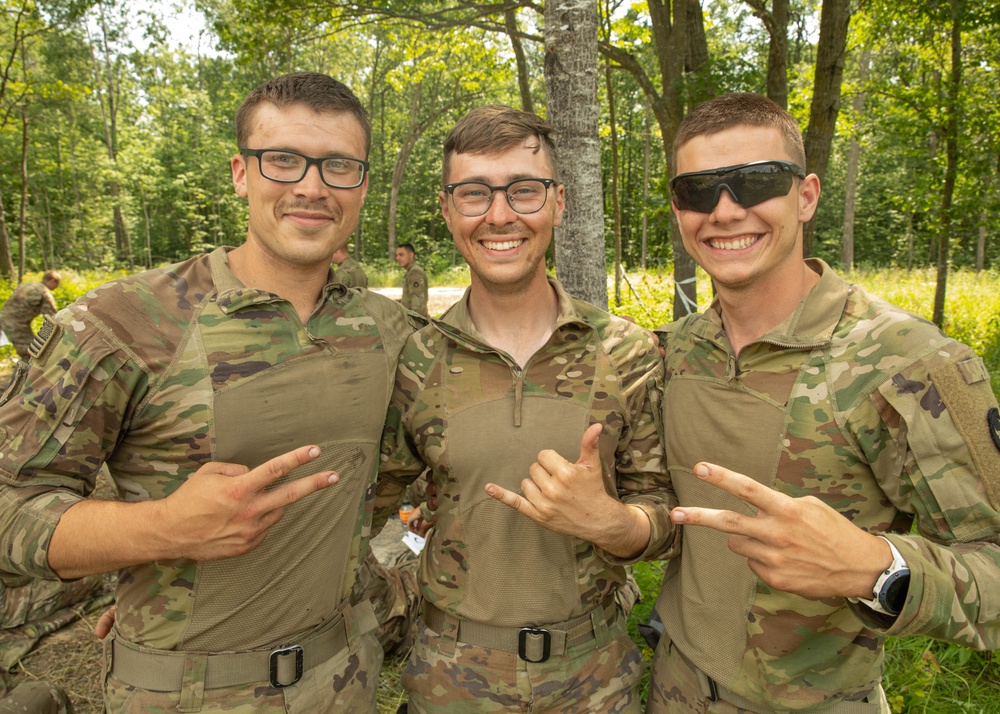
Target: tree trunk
{"type": "Point", "coordinates": [6, 262]}
{"type": "Point", "coordinates": [571, 90]}
{"type": "Point", "coordinates": [22, 213]}
{"type": "Point", "coordinates": [399, 169]}
{"type": "Point", "coordinates": [776, 22]}
{"type": "Point", "coordinates": [616, 208]}
{"type": "Point", "coordinates": [523, 82]}
{"type": "Point", "coordinates": [951, 170]}
{"type": "Point", "coordinates": [834, 20]}
{"type": "Point", "coordinates": [645, 189]}
{"type": "Point", "coordinates": [679, 39]}
{"type": "Point", "coordinates": [853, 156]}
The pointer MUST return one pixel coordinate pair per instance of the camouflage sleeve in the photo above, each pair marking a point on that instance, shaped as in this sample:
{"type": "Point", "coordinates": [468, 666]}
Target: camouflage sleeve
{"type": "Point", "coordinates": [48, 306]}
{"type": "Point", "coordinates": [59, 420]}
{"type": "Point", "coordinates": [927, 435]}
{"type": "Point", "coordinates": [400, 462]}
{"type": "Point", "coordinates": [641, 470]}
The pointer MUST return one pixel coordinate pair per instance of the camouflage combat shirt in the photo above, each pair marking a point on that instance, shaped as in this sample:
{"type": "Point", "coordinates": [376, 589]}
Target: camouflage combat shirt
{"type": "Point", "coordinates": [159, 373]}
{"type": "Point", "coordinates": [415, 289]}
{"type": "Point", "coordinates": [351, 274]}
{"type": "Point", "coordinates": [875, 412]}
{"type": "Point", "coordinates": [26, 303]}
{"type": "Point", "coordinates": [473, 415]}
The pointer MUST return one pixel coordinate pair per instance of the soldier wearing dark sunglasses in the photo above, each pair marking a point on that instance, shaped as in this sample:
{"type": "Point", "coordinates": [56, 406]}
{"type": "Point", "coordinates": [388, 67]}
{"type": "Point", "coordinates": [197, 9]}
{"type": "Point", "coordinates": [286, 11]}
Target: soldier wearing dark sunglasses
{"type": "Point", "coordinates": [871, 443]}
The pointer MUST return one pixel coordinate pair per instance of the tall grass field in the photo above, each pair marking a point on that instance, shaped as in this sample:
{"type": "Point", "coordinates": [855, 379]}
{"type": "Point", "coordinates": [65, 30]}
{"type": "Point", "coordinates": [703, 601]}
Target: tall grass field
{"type": "Point", "coordinates": [921, 675]}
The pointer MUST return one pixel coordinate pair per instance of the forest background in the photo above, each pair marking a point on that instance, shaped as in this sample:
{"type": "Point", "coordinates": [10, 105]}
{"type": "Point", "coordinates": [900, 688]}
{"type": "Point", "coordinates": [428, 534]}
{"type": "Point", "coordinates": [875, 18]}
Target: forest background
{"type": "Point", "coordinates": [115, 142]}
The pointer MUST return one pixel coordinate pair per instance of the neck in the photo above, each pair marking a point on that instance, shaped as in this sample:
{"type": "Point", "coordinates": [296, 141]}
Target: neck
{"type": "Point", "coordinates": [299, 285]}
{"type": "Point", "coordinates": [752, 310]}
{"type": "Point", "coordinates": [518, 321]}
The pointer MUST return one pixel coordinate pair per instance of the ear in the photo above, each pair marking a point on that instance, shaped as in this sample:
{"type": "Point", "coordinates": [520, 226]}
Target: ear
{"type": "Point", "coordinates": [808, 197]}
{"type": "Point", "coordinates": [445, 210]}
{"type": "Point", "coordinates": [238, 165]}
{"type": "Point", "coordinates": [560, 205]}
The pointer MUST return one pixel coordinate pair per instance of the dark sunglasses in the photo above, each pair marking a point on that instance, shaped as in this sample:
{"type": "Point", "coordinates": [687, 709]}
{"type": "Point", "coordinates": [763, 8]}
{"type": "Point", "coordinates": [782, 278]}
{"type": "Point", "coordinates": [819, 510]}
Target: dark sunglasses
{"type": "Point", "coordinates": [748, 184]}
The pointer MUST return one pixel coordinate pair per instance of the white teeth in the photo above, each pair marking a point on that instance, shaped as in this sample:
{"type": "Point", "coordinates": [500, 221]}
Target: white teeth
{"type": "Point", "coordinates": [735, 244]}
{"type": "Point", "coordinates": [506, 245]}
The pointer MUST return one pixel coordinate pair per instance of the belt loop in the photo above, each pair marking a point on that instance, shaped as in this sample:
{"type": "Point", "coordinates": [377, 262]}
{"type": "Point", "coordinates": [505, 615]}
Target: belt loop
{"type": "Point", "coordinates": [193, 683]}
{"type": "Point", "coordinates": [109, 657]}
{"type": "Point", "coordinates": [600, 623]}
{"type": "Point", "coordinates": [448, 635]}
{"type": "Point", "coordinates": [350, 626]}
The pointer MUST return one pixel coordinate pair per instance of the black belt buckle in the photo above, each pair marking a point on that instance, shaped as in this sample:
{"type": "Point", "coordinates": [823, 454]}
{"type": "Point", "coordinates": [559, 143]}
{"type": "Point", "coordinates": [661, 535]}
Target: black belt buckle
{"type": "Point", "coordinates": [273, 662]}
{"type": "Point", "coordinates": [522, 643]}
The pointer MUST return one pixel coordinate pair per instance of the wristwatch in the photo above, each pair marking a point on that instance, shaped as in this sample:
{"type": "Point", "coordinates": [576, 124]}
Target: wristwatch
{"type": "Point", "coordinates": [889, 593]}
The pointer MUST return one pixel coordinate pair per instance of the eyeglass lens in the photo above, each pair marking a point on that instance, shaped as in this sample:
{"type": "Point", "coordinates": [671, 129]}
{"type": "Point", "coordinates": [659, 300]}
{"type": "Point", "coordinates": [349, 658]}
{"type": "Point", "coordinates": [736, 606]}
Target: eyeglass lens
{"type": "Point", "coordinates": [748, 185]}
{"type": "Point", "coordinates": [524, 196]}
{"type": "Point", "coordinates": [287, 167]}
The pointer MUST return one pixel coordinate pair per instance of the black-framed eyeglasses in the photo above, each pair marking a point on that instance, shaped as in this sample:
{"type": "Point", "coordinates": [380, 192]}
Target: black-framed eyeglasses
{"type": "Point", "coordinates": [287, 166]}
{"type": "Point", "coordinates": [473, 198]}
{"type": "Point", "coordinates": [748, 184]}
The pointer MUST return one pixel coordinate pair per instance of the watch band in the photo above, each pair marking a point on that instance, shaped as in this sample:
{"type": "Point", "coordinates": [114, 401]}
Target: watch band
{"type": "Point", "coordinates": [889, 582]}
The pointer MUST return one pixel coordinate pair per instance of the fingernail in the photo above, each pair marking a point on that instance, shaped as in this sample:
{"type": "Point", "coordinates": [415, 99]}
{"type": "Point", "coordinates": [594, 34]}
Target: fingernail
{"type": "Point", "coordinates": [314, 452]}
{"type": "Point", "coordinates": [701, 471]}
{"type": "Point", "coordinates": [490, 490]}
{"type": "Point", "coordinates": [678, 516]}
{"type": "Point", "coordinates": [332, 478]}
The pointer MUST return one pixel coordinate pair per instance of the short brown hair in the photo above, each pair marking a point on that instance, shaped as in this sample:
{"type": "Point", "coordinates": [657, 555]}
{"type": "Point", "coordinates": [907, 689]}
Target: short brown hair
{"type": "Point", "coordinates": [495, 128]}
{"type": "Point", "coordinates": [320, 92]}
{"type": "Point", "coordinates": [740, 109]}
{"type": "Point", "coordinates": [51, 276]}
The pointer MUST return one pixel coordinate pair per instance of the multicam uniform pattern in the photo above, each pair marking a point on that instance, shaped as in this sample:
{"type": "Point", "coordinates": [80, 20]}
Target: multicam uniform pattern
{"type": "Point", "coordinates": [415, 289]}
{"type": "Point", "coordinates": [159, 373]}
{"type": "Point", "coordinates": [351, 274]}
{"type": "Point", "coordinates": [26, 303]}
{"type": "Point", "coordinates": [878, 414]}
{"type": "Point", "coordinates": [473, 415]}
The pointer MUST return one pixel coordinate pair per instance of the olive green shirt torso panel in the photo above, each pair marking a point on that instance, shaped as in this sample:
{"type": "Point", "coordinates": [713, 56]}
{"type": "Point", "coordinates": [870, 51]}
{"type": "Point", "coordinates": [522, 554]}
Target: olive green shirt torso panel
{"type": "Point", "coordinates": [181, 366]}
{"type": "Point", "coordinates": [824, 405]}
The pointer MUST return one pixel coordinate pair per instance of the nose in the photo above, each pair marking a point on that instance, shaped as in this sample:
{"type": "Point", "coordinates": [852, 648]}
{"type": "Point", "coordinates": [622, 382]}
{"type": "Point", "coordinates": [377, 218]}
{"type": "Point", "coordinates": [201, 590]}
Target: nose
{"type": "Point", "coordinates": [312, 183]}
{"type": "Point", "coordinates": [500, 212]}
{"type": "Point", "coordinates": [727, 208]}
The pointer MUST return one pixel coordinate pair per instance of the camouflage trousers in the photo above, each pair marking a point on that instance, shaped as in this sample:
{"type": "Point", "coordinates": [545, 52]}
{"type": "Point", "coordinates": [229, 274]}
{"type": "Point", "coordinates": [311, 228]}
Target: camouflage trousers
{"type": "Point", "coordinates": [448, 677]}
{"type": "Point", "coordinates": [35, 698]}
{"type": "Point", "coordinates": [677, 687]}
{"type": "Point", "coordinates": [20, 336]}
{"type": "Point", "coordinates": [347, 682]}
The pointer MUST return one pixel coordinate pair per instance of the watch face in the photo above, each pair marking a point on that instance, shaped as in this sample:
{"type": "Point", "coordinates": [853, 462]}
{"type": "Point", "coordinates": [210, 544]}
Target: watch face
{"type": "Point", "coordinates": [893, 595]}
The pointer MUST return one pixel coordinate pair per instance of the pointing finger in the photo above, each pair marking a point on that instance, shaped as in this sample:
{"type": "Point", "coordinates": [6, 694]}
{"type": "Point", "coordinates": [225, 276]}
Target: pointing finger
{"type": "Point", "coordinates": [743, 487]}
{"type": "Point", "coordinates": [270, 471]}
{"type": "Point", "coordinates": [288, 493]}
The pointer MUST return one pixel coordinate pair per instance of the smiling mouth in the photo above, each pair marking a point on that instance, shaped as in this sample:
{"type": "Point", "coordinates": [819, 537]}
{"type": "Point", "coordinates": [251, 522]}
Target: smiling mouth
{"type": "Point", "coordinates": [502, 245]}
{"type": "Point", "coordinates": [733, 244]}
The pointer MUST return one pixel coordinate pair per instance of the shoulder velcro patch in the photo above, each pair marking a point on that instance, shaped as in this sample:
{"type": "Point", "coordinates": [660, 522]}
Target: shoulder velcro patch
{"type": "Point", "coordinates": [964, 388]}
{"type": "Point", "coordinates": [45, 337]}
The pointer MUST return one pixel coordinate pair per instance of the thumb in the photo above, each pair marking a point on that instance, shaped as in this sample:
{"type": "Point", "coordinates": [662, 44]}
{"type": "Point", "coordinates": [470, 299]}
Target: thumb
{"type": "Point", "coordinates": [589, 453]}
